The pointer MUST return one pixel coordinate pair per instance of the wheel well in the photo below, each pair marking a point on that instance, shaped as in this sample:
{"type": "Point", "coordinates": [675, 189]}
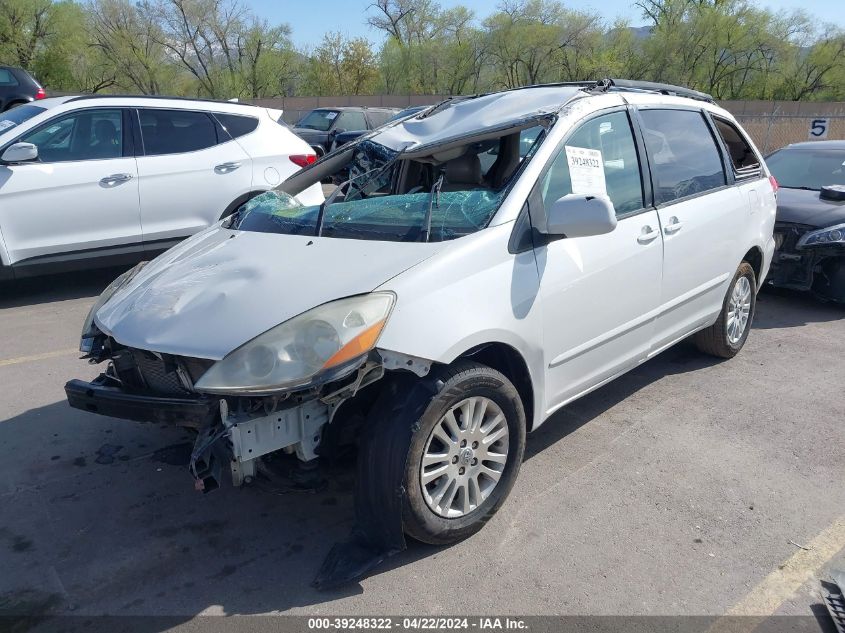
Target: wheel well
{"type": "Point", "coordinates": [755, 258]}
{"type": "Point", "coordinates": [507, 360]}
{"type": "Point", "coordinates": [237, 202]}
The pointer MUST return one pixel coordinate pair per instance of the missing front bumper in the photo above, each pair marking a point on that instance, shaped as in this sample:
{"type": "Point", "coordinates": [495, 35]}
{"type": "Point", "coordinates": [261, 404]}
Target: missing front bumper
{"type": "Point", "coordinates": [98, 397]}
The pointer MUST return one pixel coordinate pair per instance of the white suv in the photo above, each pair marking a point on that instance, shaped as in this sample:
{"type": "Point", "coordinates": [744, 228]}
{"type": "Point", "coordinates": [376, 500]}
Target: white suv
{"type": "Point", "coordinates": [480, 265]}
{"type": "Point", "coordinates": [98, 180]}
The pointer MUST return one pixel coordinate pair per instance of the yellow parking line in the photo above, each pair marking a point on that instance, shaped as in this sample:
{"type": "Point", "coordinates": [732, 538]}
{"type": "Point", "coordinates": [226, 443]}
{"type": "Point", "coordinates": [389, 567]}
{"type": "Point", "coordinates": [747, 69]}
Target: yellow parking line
{"type": "Point", "coordinates": [27, 359]}
{"type": "Point", "coordinates": [765, 599]}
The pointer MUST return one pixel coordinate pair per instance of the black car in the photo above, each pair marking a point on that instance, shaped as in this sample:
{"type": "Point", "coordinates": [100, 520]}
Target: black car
{"type": "Point", "coordinates": [810, 225]}
{"type": "Point", "coordinates": [343, 138]}
{"type": "Point", "coordinates": [319, 127]}
{"type": "Point", "coordinates": [16, 87]}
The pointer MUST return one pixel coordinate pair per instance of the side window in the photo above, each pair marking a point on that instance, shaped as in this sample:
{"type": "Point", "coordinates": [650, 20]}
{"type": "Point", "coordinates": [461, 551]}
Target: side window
{"type": "Point", "coordinates": [611, 136]}
{"type": "Point", "coordinates": [378, 117]}
{"type": "Point", "coordinates": [176, 131]}
{"type": "Point", "coordinates": [86, 135]}
{"type": "Point", "coordinates": [237, 125]}
{"type": "Point", "coordinates": [527, 138]}
{"type": "Point", "coordinates": [351, 120]}
{"type": "Point", "coordinates": [7, 78]}
{"type": "Point", "coordinates": [745, 161]}
{"type": "Point", "coordinates": [684, 158]}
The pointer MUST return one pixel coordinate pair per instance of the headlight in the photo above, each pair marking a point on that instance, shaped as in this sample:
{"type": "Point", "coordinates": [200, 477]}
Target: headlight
{"type": "Point", "coordinates": [325, 339]}
{"type": "Point", "coordinates": [89, 331]}
{"type": "Point", "coordinates": [823, 237]}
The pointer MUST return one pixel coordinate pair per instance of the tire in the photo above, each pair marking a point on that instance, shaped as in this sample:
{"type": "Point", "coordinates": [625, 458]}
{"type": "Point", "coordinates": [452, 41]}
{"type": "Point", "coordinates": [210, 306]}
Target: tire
{"type": "Point", "coordinates": [486, 389]}
{"type": "Point", "coordinates": [722, 339]}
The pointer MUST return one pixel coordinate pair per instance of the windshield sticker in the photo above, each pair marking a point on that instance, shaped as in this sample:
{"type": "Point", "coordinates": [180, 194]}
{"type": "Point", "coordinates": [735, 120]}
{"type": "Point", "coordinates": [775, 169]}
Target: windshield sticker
{"type": "Point", "coordinates": [331, 115]}
{"type": "Point", "coordinates": [5, 125]}
{"type": "Point", "coordinates": [586, 170]}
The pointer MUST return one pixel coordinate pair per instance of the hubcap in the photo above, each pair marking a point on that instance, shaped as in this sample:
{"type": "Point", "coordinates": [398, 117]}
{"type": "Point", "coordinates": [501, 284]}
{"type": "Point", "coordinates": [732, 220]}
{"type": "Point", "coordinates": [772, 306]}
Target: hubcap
{"type": "Point", "coordinates": [464, 457]}
{"type": "Point", "coordinates": [739, 309]}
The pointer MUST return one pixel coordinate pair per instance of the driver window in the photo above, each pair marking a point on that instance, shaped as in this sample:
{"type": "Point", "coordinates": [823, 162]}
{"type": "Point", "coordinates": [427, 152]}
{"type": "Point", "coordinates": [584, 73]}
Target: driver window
{"type": "Point", "coordinates": [87, 135]}
{"type": "Point", "coordinates": [611, 135]}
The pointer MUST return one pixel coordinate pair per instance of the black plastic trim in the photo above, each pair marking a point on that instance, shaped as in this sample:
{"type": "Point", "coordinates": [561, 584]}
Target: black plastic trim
{"type": "Point", "coordinates": [96, 397]}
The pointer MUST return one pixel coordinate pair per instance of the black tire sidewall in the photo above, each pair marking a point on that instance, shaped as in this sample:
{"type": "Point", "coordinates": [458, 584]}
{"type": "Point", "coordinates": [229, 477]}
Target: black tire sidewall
{"type": "Point", "coordinates": [419, 521]}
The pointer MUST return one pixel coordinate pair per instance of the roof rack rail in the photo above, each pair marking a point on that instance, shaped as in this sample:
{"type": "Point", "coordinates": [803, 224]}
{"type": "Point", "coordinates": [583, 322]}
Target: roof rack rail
{"type": "Point", "coordinates": [162, 97]}
{"type": "Point", "coordinates": [650, 86]}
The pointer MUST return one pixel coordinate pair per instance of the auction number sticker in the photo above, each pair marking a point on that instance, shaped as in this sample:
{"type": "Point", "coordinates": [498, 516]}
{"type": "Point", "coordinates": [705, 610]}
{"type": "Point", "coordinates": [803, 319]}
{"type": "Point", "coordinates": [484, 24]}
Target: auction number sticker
{"type": "Point", "coordinates": [586, 170]}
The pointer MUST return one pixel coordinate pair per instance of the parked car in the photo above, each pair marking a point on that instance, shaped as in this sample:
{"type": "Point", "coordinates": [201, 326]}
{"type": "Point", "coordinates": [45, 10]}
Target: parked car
{"type": "Point", "coordinates": [451, 296]}
{"type": "Point", "coordinates": [810, 227]}
{"type": "Point", "coordinates": [111, 180]}
{"type": "Point", "coordinates": [319, 127]}
{"type": "Point", "coordinates": [342, 138]}
{"type": "Point", "coordinates": [18, 87]}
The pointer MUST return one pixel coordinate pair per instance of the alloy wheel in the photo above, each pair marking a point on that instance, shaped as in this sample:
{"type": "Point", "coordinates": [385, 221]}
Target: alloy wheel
{"type": "Point", "coordinates": [464, 457]}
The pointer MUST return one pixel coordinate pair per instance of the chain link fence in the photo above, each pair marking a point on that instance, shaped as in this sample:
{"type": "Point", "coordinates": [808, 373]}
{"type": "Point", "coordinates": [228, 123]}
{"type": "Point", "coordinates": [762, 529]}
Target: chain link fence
{"type": "Point", "coordinates": [777, 130]}
{"type": "Point", "coordinates": [771, 124]}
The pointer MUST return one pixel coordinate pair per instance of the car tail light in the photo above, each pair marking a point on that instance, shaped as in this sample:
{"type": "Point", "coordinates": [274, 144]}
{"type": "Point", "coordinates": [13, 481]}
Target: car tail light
{"type": "Point", "coordinates": [775, 185]}
{"type": "Point", "coordinates": [40, 94]}
{"type": "Point", "coordinates": [303, 160]}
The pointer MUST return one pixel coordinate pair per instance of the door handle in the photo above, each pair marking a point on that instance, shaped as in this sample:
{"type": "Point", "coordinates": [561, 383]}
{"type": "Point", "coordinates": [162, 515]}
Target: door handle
{"type": "Point", "coordinates": [648, 235]}
{"type": "Point", "coordinates": [115, 179]}
{"type": "Point", "coordinates": [674, 226]}
{"type": "Point", "coordinates": [225, 168]}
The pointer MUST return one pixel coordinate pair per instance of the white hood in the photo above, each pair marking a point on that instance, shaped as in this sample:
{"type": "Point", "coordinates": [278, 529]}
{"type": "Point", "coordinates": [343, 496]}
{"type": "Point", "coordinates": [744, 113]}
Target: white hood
{"type": "Point", "coordinates": [222, 288]}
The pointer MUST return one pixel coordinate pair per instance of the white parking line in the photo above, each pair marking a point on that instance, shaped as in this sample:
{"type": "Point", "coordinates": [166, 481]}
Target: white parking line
{"type": "Point", "coordinates": [33, 357]}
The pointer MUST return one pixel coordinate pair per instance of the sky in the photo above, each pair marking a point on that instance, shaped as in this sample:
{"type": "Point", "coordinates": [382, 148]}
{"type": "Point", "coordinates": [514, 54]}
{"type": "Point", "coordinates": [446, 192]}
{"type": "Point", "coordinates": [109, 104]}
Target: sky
{"type": "Point", "coordinates": [310, 20]}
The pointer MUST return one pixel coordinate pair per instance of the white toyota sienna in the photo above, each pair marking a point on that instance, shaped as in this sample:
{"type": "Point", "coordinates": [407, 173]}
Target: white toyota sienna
{"type": "Point", "coordinates": [478, 266]}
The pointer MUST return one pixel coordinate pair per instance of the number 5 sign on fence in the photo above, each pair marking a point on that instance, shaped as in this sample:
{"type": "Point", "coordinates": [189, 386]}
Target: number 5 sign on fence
{"type": "Point", "coordinates": [818, 129]}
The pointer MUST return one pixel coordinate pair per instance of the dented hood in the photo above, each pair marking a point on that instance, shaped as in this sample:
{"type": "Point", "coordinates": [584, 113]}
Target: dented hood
{"type": "Point", "coordinates": [222, 288]}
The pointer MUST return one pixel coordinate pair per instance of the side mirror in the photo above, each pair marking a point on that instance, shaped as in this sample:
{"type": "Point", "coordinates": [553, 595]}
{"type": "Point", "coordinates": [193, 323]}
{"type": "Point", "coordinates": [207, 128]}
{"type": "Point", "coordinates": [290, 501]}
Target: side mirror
{"type": "Point", "coordinates": [579, 215]}
{"type": "Point", "coordinates": [338, 130]}
{"type": "Point", "coordinates": [20, 153]}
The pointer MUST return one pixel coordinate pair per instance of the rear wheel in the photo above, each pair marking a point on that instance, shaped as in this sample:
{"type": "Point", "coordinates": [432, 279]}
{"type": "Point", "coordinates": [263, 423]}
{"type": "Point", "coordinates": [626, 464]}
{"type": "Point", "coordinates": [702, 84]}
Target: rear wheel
{"type": "Point", "coordinates": [465, 457]}
{"type": "Point", "coordinates": [730, 331]}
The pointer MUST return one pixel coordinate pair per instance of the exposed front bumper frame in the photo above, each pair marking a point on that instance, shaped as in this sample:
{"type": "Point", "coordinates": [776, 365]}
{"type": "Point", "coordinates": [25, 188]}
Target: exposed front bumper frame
{"type": "Point", "coordinates": [98, 397]}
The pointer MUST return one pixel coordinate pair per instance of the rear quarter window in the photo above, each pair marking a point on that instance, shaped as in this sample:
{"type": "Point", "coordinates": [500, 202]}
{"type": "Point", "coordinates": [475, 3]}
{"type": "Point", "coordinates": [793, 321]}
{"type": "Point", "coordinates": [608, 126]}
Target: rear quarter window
{"type": "Point", "coordinates": [237, 125]}
{"type": "Point", "coordinates": [745, 162]}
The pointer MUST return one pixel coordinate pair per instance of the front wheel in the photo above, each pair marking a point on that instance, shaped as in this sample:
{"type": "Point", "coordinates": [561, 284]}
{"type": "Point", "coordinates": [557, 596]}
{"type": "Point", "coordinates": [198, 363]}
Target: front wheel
{"type": "Point", "coordinates": [465, 456]}
{"type": "Point", "coordinates": [730, 331]}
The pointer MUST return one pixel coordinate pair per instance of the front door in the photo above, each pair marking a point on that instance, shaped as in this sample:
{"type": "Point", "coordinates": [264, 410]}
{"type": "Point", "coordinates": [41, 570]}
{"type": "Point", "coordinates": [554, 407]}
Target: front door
{"type": "Point", "coordinates": [599, 293]}
{"type": "Point", "coordinates": [81, 194]}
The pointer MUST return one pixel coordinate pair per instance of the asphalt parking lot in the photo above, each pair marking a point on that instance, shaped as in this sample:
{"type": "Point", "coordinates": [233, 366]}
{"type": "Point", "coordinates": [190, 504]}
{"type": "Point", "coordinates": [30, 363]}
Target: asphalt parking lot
{"type": "Point", "coordinates": [689, 486]}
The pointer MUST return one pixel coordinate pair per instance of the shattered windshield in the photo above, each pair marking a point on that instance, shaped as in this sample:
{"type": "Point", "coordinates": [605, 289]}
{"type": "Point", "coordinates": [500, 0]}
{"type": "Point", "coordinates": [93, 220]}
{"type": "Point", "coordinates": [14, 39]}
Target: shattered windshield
{"type": "Point", "coordinates": [391, 218]}
{"type": "Point", "coordinates": [380, 195]}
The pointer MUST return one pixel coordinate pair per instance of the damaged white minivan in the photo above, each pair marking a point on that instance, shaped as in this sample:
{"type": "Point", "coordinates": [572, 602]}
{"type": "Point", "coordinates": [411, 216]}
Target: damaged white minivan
{"type": "Point", "coordinates": [477, 267]}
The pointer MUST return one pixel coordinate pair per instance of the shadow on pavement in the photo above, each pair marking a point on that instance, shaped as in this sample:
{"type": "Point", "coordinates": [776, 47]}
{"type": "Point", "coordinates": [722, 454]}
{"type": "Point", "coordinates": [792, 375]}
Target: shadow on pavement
{"type": "Point", "coordinates": [49, 288]}
{"type": "Point", "coordinates": [779, 308]}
